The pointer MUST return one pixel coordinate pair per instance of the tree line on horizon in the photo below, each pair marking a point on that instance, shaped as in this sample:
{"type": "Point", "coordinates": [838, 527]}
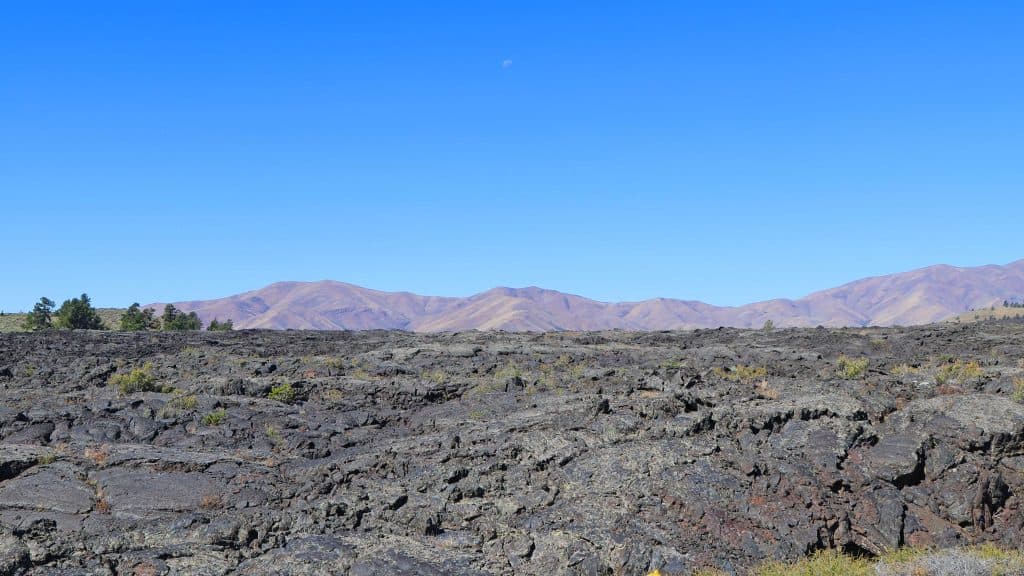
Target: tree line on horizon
{"type": "Point", "coordinates": [1006, 304]}
{"type": "Point", "coordinates": [79, 314]}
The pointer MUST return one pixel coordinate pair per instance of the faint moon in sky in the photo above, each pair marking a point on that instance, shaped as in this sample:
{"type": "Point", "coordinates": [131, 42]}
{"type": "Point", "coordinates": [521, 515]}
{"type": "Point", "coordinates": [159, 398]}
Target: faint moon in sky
{"type": "Point", "coordinates": [506, 63]}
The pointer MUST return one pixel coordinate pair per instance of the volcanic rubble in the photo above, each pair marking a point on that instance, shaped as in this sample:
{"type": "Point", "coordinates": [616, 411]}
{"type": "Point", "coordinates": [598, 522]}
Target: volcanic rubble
{"type": "Point", "coordinates": [367, 453]}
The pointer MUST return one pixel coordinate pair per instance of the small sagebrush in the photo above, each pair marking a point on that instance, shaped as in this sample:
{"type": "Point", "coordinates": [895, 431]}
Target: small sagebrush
{"type": "Point", "coordinates": [851, 368]}
{"type": "Point", "coordinates": [137, 380]}
{"type": "Point", "coordinates": [765, 390]}
{"type": "Point", "coordinates": [215, 418]}
{"type": "Point", "coordinates": [211, 502]}
{"type": "Point", "coordinates": [283, 393]}
{"type": "Point", "coordinates": [436, 376]}
{"type": "Point", "coordinates": [334, 363]}
{"type": "Point", "coordinates": [98, 454]}
{"type": "Point", "coordinates": [274, 435]}
{"type": "Point", "coordinates": [508, 372]}
{"type": "Point", "coordinates": [1018, 390]}
{"type": "Point", "coordinates": [177, 405]}
{"type": "Point", "coordinates": [674, 364]}
{"type": "Point", "coordinates": [185, 402]}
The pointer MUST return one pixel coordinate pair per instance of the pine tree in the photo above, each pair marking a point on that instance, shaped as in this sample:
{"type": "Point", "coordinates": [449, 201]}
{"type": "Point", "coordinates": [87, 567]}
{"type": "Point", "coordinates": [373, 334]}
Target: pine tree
{"type": "Point", "coordinates": [135, 319]}
{"type": "Point", "coordinates": [194, 323]}
{"type": "Point", "coordinates": [218, 326]}
{"type": "Point", "coordinates": [173, 319]}
{"type": "Point", "coordinates": [39, 317]}
{"type": "Point", "coordinates": [78, 314]}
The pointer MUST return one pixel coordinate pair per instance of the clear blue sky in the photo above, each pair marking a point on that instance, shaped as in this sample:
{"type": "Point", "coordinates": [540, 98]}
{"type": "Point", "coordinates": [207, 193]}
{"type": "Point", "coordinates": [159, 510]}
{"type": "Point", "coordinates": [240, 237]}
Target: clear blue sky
{"type": "Point", "coordinates": [727, 152]}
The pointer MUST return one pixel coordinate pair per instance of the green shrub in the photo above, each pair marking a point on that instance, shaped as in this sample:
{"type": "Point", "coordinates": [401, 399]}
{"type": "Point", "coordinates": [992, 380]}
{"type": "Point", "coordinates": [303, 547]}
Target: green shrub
{"type": "Point", "coordinates": [215, 418]}
{"type": "Point", "coordinates": [274, 435]}
{"type": "Point", "coordinates": [851, 368]}
{"type": "Point", "coordinates": [137, 380]}
{"type": "Point", "coordinates": [185, 402]}
{"type": "Point", "coordinates": [282, 393]}
{"type": "Point", "coordinates": [178, 404]}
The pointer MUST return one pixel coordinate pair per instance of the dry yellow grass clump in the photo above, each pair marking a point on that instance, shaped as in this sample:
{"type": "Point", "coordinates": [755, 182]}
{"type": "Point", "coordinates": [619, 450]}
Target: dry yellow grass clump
{"type": "Point", "coordinates": [1018, 390]}
{"type": "Point", "coordinates": [744, 374]}
{"type": "Point", "coordinates": [959, 372]}
{"type": "Point", "coordinates": [981, 560]}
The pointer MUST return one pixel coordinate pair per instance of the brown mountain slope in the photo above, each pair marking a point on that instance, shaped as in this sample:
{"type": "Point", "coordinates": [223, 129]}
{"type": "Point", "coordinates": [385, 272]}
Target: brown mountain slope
{"type": "Point", "coordinates": [325, 305]}
{"type": "Point", "coordinates": [916, 297]}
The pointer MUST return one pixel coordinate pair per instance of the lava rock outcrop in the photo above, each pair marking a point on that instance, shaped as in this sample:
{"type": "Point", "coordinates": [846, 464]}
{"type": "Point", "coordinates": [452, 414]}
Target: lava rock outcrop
{"type": "Point", "coordinates": [476, 453]}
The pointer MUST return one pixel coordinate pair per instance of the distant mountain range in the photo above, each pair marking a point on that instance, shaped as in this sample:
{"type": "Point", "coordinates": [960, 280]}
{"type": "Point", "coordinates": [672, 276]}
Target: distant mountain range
{"type": "Point", "coordinates": [916, 297]}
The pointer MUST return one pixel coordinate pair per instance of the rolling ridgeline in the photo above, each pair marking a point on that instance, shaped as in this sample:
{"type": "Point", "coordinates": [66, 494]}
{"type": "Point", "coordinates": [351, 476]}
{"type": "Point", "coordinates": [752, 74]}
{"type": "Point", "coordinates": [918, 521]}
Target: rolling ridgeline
{"type": "Point", "coordinates": [933, 294]}
{"type": "Point", "coordinates": [921, 296]}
